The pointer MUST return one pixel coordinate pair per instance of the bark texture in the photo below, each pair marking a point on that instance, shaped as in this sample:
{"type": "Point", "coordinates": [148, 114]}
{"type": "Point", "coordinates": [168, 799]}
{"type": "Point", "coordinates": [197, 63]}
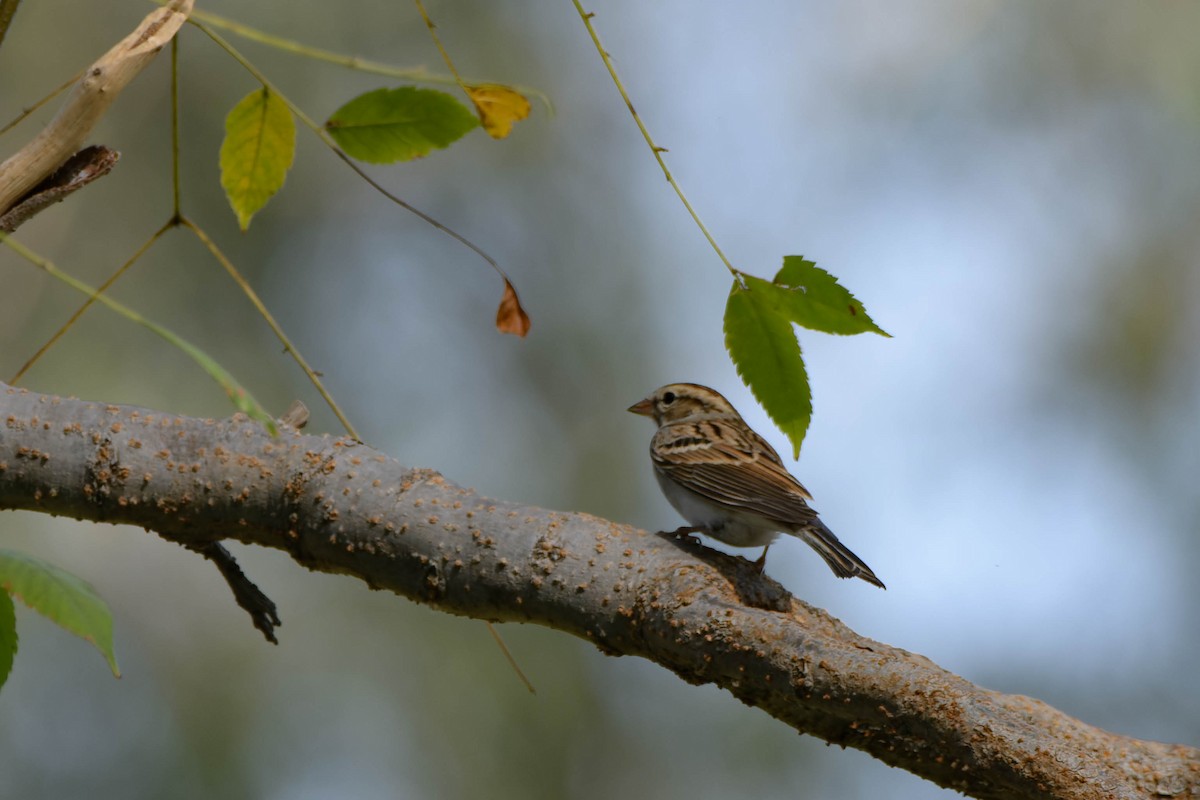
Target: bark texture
{"type": "Point", "coordinates": [336, 505]}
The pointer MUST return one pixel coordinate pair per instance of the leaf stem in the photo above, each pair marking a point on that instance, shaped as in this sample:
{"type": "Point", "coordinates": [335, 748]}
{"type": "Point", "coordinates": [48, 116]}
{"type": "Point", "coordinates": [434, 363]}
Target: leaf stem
{"type": "Point", "coordinates": [257, 302]}
{"type": "Point", "coordinates": [25, 113]}
{"type": "Point", "coordinates": [654, 148]}
{"type": "Point", "coordinates": [66, 326]}
{"type": "Point", "coordinates": [414, 74]}
{"type": "Point", "coordinates": [241, 398]}
{"type": "Point", "coordinates": [175, 189]}
{"type": "Point", "coordinates": [437, 41]}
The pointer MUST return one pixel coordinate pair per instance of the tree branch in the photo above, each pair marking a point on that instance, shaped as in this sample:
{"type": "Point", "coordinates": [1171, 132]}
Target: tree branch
{"type": "Point", "coordinates": [338, 506]}
{"type": "Point", "coordinates": [79, 170]}
{"type": "Point", "coordinates": [252, 599]}
{"type": "Point", "coordinates": [89, 100]}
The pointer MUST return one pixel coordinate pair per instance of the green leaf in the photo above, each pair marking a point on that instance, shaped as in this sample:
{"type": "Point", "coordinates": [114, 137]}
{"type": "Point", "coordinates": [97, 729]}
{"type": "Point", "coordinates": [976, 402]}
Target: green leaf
{"type": "Point", "coordinates": [259, 146]}
{"type": "Point", "coordinates": [389, 125]}
{"type": "Point", "coordinates": [813, 298]}
{"type": "Point", "coordinates": [763, 345]}
{"type": "Point", "coordinates": [8, 636]}
{"type": "Point", "coordinates": [764, 349]}
{"type": "Point", "coordinates": [60, 596]}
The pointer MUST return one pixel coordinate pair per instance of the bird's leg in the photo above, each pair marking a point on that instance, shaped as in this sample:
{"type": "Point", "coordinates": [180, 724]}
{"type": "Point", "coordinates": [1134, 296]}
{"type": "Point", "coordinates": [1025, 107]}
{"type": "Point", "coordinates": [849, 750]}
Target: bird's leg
{"type": "Point", "coordinates": [685, 533]}
{"type": "Point", "coordinates": [761, 563]}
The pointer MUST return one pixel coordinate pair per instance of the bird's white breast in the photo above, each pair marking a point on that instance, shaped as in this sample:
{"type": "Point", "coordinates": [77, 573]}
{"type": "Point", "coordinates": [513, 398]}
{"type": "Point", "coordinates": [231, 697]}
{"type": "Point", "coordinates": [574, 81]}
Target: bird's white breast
{"type": "Point", "coordinates": [730, 525]}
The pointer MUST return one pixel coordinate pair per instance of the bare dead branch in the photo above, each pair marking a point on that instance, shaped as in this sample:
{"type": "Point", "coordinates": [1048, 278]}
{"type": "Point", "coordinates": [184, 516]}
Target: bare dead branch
{"type": "Point", "coordinates": [336, 505]}
{"type": "Point", "coordinates": [88, 101]}
{"type": "Point", "coordinates": [87, 165]}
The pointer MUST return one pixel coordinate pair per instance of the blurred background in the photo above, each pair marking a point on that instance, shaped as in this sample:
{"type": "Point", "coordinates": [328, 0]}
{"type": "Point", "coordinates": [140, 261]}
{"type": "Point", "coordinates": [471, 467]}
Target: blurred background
{"type": "Point", "coordinates": [1013, 189]}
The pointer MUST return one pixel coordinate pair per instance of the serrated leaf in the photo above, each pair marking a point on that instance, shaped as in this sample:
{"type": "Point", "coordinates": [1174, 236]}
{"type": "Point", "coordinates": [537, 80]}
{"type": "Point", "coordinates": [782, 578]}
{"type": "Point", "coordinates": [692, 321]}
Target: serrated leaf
{"type": "Point", "coordinates": [499, 107]}
{"type": "Point", "coordinates": [259, 147]}
{"type": "Point", "coordinates": [764, 349]}
{"type": "Point", "coordinates": [814, 298]}
{"type": "Point", "coordinates": [8, 636]}
{"type": "Point", "coordinates": [61, 597]}
{"type": "Point", "coordinates": [389, 125]}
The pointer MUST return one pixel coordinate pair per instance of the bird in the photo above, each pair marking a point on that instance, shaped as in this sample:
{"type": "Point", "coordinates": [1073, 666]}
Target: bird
{"type": "Point", "coordinates": [729, 483]}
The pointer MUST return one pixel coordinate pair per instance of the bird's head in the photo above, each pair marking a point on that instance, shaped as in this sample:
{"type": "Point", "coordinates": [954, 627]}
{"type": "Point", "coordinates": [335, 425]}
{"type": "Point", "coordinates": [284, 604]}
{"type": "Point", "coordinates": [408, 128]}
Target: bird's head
{"type": "Point", "coordinates": [676, 402]}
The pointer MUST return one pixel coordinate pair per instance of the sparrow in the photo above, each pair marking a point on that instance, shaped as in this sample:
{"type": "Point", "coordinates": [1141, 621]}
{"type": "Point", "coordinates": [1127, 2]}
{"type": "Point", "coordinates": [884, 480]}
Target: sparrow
{"type": "Point", "coordinates": [729, 483]}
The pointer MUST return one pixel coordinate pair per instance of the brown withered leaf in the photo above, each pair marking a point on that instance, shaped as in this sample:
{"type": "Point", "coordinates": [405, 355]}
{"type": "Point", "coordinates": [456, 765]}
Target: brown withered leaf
{"type": "Point", "coordinates": [510, 317]}
{"type": "Point", "coordinates": [499, 107]}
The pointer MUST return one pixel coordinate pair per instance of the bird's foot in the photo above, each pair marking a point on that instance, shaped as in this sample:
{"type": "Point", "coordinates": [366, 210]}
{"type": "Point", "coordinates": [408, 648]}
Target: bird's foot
{"type": "Point", "coordinates": [686, 534]}
{"type": "Point", "coordinates": [761, 562]}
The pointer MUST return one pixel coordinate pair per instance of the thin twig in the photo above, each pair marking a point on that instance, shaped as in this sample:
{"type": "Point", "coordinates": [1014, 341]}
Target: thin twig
{"type": "Point", "coordinates": [257, 302]}
{"type": "Point", "coordinates": [237, 394]}
{"type": "Point", "coordinates": [101, 289]}
{"type": "Point", "coordinates": [26, 112]}
{"type": "Point", "coordinates": [414, 74]}
{"type": "Point", "coordinates": [654, 148]}
{"type": "Point", "coordinates": [437, 42]}
{"type": "Point", "coordinates": [175, 187]}
{"type": "Point", "coordinates": [260, 607]}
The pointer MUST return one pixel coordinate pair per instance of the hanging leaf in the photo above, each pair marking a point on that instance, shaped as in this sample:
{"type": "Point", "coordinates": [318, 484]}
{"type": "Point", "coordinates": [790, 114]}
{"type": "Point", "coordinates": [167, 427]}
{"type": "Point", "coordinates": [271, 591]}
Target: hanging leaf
{"type": "Point", "coordinates": [8, 636]}
{"type": "Point", "coordinates": [510, 317]}
{"type": "Point", "coordinates": [814, 298]}
{"type": "Point", "coordinates": [764, 349]}
{"type": "Point", "coordinates": [61, 597]}
{"type": "Point", "coordinates": [259, 146]}
{"type": "Point", "coordinates": [499, 107]}
{"type": "Point", "coordinates": [763, 345]}
{"type": "Point", "coordinates": [389, 125]}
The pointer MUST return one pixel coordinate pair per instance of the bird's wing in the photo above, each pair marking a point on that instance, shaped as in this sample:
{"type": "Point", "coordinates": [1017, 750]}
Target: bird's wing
{"type": "Point", "coordinates": [731, 466]}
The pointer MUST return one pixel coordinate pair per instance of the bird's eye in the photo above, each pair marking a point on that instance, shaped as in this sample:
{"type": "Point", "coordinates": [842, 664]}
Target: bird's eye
{"type": "Point", "coordinates": [668, 398]}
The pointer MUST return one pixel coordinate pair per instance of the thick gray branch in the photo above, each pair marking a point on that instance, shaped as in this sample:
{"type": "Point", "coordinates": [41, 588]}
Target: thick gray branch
{"type": "Point", "coordinates": [338, 506]}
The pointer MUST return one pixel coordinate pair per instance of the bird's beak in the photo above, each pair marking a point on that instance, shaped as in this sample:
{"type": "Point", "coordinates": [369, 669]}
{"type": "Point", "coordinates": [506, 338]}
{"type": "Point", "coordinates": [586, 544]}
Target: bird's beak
{"type": "Point", "coordinates": [643, 407]}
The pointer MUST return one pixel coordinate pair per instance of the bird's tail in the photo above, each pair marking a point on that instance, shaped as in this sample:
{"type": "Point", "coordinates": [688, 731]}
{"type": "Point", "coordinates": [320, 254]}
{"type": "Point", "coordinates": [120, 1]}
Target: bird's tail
{"type": "Point", "coordinates": [839, 558]}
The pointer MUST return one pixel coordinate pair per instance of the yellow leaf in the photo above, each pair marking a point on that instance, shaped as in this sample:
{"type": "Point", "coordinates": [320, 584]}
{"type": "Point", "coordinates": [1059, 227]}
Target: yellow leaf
{"type": "Point", "coordinates": [259, 146]}
{"type": "Point", "coordinates": [499, 107]}
{"type": "Point", "coordinates": [510, 317]}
